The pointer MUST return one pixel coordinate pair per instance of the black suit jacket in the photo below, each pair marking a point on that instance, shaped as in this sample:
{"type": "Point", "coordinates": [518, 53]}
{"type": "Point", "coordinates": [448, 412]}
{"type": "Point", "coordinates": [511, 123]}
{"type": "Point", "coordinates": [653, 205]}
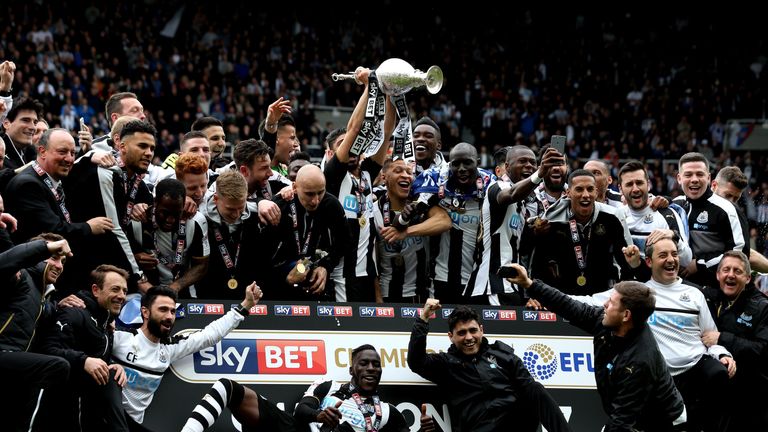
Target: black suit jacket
{"type": "Point", "coordinates": [12, 159]}
{"type": "Point", "coordinates": [29, 199]}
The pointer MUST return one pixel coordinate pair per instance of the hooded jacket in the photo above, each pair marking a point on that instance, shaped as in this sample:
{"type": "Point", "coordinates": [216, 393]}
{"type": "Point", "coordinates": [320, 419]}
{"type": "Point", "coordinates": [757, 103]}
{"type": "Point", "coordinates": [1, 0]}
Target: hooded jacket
{"type": "Point", "coordinates": [23, 299]}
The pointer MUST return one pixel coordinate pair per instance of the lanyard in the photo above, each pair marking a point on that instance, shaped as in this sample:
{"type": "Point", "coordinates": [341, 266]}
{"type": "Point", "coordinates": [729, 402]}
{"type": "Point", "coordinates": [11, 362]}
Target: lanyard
{"type": "Point", "coordinates": [308, 232]}
{"type": "Point", "coordinates": [224, 250]}
{"type": "Point", "coordinates": [359, 187]}
{"type": "Point", "coordinates": [47, 180]}
{"type": "Point", "coordinates": [370, 426]}
{"type": "Point", "coordinates": [129, 192]}
{"type": "Point", "coordinates": [181, 241]}
{"type": "Point", "coordinates": [581, 255]}
{"type": "Point", "coordinates": [541, 196]}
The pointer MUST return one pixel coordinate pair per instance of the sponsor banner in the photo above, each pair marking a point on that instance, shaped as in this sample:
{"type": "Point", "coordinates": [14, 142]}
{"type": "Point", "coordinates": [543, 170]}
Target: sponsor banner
{"type": "Point", "coordinates": [279, 356]}
{"type": "Point", "coordinates": [205, 309]}
{"type": "Point", "coordinates": [272, 357]}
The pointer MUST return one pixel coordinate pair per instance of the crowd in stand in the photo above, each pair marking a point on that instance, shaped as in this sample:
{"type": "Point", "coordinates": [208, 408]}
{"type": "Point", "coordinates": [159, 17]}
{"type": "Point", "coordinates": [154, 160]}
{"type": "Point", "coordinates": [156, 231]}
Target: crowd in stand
{"type": "Point", "coordinates": [187, 179]}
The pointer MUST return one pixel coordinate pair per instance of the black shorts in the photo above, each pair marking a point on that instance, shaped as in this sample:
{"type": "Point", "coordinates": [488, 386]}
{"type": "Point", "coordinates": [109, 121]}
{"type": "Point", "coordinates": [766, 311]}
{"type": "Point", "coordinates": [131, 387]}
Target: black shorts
{"type": "Point", "coordinates": [272, 418]}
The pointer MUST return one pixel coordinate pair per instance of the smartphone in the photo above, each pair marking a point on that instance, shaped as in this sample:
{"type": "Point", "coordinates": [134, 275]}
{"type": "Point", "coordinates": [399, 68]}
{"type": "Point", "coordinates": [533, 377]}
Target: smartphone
{"type": "Point", "coordinates": [83, 127]}
{"type": "Point", "coordinates": [506, 272]}
{"type": "Point", "coordinates": [558, 143]}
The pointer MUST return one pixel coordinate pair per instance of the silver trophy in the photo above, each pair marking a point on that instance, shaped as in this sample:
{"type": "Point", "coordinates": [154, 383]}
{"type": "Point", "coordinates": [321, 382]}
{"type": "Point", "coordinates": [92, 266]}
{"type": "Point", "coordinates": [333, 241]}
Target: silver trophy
{"type": "Point", "coordinates": [396, 77]}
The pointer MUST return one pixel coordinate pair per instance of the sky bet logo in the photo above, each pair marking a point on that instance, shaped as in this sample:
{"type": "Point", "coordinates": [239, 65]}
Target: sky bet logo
{"type": "Point", "coordinates": [205, 309]}
{"type": "Point", "coordinates": [412, 312]}
{"type": "Point", "coordinates": [447, 312]}
{"type": "Point", "coordinates": [378, 312]}
{"type": "Point", "coordinates": [500, 315]}
{"type": "Point", "coordinates": [265, 357]}
{"type": "Point", "coordinates": [334, 311]}
{"type": "Point", "coordinates": [539, 316]}
{"type": "Point", "coordinates": [291, 310]}
{"type": "Point", "coordinates": [255, 309]}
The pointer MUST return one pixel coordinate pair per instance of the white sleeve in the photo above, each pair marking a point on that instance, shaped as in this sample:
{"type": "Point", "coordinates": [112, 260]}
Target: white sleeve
{"type": "Point", "coordinates": [8, 105]}
{"type": "Point", "coordinates": [208, 336]}
{"type": "Point", "coordinates": [107, 185]}
{"type": "Point", "coordinates": [597, 299]}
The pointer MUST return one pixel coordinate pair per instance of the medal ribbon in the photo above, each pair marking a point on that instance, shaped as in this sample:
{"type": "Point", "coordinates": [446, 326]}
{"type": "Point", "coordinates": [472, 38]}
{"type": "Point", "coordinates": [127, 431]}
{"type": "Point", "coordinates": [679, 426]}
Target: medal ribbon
{"type": "Point", "coordinates": [48, 182]}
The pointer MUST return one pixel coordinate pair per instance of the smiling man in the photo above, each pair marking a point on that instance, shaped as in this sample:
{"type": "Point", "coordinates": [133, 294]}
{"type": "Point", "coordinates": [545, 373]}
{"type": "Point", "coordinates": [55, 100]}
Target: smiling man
{"type": "Point", "coordinates": [112, 192]}
{"type": "Point", "coordinates": [148, 352]}
{"type": "Point", "coordinates": [486, 385]}
{"type": "Point", "coordinates": [427, 144]}
{"type": "Point", "coordinates": [36, 195]}
{"type": "Point", "coordinates": [632, 379]}
{"type": "Point", "coordinates": [460, 189]}
{"type": "Point", "coordinates": [327, 406]}
{"type": "Point", "coordinates": [19, 128]}
{"type": "Point", "coordinates": [504, 214]}
{"type": "Point", "coordinates": [582, 252]}
{"type": "Point", "coordinates": [713, 221]}
{"type": "Point", "coordinates": [82, 336]}
{"type": "Point", "coordinates": [402, 252]}
{"type": "Point", "coordinates": [741, 314]}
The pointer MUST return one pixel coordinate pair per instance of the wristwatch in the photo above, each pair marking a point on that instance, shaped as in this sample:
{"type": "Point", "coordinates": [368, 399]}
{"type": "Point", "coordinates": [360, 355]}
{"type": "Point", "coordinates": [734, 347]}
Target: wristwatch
{"type": "Point", "coordinates": [6, 93]}
{"type": "Point", "coordinates": [241, 310]}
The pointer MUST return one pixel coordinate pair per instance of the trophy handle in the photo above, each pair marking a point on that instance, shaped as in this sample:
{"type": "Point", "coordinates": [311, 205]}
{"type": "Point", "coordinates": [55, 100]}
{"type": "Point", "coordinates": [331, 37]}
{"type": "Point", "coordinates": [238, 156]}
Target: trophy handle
{"type": "Point", "coordinates": [434, 79]}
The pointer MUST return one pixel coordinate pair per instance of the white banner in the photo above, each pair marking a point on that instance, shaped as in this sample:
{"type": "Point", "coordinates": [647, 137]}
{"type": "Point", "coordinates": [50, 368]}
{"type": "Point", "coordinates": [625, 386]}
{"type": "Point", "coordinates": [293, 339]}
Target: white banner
{"type": "Point", "coordinates": [300, 357]}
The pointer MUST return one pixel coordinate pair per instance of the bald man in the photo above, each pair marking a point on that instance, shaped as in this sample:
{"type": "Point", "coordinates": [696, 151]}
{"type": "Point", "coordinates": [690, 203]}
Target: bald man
{"type": "Point", "coordinates": [314, 237]}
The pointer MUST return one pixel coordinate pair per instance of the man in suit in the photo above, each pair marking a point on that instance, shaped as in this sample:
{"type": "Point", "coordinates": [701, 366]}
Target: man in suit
{"type": "Point", "coordinates": [36, 195]}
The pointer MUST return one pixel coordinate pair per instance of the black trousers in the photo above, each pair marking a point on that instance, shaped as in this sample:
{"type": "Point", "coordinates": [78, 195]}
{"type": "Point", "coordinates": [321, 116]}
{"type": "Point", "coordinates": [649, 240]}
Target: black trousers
{"type": "Point", "coordinates": [82, 405]}
{"type": "Point", "coordinates": [702, 388]}
{"type": "Point", "coordinates": [26, 373]}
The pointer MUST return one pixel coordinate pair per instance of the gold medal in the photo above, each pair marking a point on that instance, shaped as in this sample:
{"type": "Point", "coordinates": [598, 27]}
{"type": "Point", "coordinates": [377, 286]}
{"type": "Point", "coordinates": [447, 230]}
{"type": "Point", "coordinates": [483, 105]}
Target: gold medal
{"type": "Point", "coordinates": [581, 280]}
{"type": "Point", "coordinates": [362, 221]}
{"type": "Point", "coordinates": [300, 268]}
{"type": "Point", "coordinates": [232, 283]}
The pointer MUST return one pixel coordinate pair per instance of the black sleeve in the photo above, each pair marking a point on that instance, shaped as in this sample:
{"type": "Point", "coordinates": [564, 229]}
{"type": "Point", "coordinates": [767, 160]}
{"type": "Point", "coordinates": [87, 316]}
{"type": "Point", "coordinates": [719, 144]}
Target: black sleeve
{"type": "Point", "coordinates": [583, 316]}
{"type": "Point", "coordinates": [22, 256]}
{"type": "Point", "coordinates": [429, 366]}
{"type": "Point", "coordinates": [334, 172]}
{"type": "Point", "coordinates": [309, 406]}
{"type": "Point", "coordinates": [62, 336]}
{"type": "Point", "coordinates": [269, 138]}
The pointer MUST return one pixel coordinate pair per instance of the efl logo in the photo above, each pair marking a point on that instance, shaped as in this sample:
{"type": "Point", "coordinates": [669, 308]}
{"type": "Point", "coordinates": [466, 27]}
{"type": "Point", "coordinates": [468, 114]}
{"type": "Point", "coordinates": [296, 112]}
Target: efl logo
{"type": "Point", "coordinates": [291, 310]}
{"type": "Point", "coordinates": [378, 312]}
{"type": "Point", "coordinates": [539, 316]}
{"type": "Point", "coordinates": [500, 315]}
{"type": "Point", "coordinates": [542, 361]}
{"type": "Point", "coordinates": [205, 309]}
{"type": "Point", "coordinates": [306, 357]}
{"type": "Point", "coordinates": [327, 311]}
{"type": "Point", "coordinates": [254, 310]}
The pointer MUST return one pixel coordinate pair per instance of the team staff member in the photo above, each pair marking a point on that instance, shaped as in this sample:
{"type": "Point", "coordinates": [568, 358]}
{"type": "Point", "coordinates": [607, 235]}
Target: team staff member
{"type": "Point", "coordinates": [486, 385]}
{"type": "Point", "coordinates": [91, 399]}
{"type": "Point", "coordinates": [635, 386]}
{"type": "Point", "coordinates": [22, 303]}
{"type": "Point", "coordinates": [741, 314]}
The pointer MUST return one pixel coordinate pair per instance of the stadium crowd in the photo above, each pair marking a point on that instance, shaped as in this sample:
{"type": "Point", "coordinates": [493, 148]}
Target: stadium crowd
{"type": "Point", "coordinates": [164, 150]}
